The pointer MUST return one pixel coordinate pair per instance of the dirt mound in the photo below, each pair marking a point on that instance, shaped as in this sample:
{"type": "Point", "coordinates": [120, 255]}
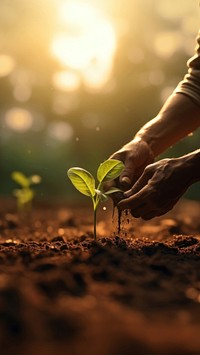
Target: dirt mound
{"type": "Point", "coordinates": [134, 293]}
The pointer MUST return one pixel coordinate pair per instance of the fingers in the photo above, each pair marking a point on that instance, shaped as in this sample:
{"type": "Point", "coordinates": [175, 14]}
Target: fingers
{"type": "Point", "coordinates": [125, 180]}
{"type": "Point", "coordinates": [141, 208]}
{"type": "Point", "coordinates": [127, 175]}
{"type": "Point", "coordinates": [108, 184]}
{"type": "Point", "coordinates": [141, 199]}
{"type": "Point", "coordinates": [145, 205]}
{"type": "Point", "coordinates": [141, 182]}
{"type": "Point", "coordinates": [132, 201]}
{"type": "Point", "coordinates": [155, 192]}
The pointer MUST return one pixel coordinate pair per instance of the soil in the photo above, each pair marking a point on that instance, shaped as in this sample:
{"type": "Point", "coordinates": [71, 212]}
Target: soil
{"type": "Point", "coordinates": [134, 292]}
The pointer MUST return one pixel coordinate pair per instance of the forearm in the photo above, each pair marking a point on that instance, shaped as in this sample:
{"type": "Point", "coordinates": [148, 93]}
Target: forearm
{"type": "Point", "coordinates": [191, 165]}
{"type": "Point", "coordinates": [179, 116]}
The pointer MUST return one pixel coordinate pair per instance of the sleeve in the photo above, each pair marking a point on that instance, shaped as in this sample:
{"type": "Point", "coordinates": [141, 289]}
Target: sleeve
{"type": "Point", "coordinates": [190, 85]}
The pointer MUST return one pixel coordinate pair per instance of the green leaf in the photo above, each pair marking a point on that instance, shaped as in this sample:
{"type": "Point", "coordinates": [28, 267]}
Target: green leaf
{"type": "Point", "coordinates": [24, 195]}
{"type": "Point", "coordinates": [82, 180]}
{"type": "Point", "coordinates": [20, 178]}
{"type": "Point", "coordinates": [109, 170]}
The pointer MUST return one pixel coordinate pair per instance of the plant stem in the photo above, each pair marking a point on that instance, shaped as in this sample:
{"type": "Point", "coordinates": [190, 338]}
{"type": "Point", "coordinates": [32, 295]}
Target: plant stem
{"type": "Point", "coordinates": [95, 224]}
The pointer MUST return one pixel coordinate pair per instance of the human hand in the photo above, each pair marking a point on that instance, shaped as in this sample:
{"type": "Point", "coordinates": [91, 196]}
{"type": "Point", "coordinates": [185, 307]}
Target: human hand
{"type": "Point", "coordinates": [158, 189]}
{"type": "Point", "coordinates": [135, 155]}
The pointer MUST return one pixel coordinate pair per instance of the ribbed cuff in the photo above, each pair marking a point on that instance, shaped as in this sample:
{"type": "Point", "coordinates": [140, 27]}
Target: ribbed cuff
{"type": "Point", "coordinates": [190, 86]}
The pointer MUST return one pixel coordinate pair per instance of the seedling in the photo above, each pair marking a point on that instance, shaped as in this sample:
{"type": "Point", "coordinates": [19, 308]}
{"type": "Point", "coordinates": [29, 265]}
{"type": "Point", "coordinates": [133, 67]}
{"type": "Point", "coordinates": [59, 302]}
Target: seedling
{"type": "Point", "coordinates": [25, 193]}
{"type": "Point", "coordinates": [84, 182]}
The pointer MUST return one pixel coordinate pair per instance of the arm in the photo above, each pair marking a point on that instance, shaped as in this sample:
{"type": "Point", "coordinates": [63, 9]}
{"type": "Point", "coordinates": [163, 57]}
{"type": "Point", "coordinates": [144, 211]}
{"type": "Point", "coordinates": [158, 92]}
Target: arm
{"type": "Point", "coordinates": [179, 116]}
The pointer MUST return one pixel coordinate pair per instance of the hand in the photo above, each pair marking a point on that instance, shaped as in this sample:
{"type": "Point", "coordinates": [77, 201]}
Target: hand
{"type": "Point", "coordinates": [135, 155]}
{"type": "Point", "coordinates": [158, 189]}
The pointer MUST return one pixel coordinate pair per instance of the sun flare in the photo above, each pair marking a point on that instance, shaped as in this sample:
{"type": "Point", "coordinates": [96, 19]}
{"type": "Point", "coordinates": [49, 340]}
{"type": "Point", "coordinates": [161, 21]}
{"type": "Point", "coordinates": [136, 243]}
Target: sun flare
{"type": "Point", "coordinates": [86, 43]}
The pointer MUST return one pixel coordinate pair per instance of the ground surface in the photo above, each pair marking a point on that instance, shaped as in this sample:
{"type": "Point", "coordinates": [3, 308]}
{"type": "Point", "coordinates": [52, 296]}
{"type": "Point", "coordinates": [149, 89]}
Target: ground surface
{"type": "Point", "coordinates": [133, 293]}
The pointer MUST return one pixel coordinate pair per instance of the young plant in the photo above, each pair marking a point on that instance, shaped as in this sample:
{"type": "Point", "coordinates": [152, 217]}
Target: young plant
{"type": "Point", "coordinates": [84, 182]}
{"type": "Point", "coordinates": [25, 193]}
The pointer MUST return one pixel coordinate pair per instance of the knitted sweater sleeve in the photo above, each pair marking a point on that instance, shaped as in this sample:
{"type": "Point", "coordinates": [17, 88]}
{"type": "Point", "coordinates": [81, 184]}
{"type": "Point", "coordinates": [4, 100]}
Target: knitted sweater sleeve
{"type": "Point", "coordinates": [190, 85]}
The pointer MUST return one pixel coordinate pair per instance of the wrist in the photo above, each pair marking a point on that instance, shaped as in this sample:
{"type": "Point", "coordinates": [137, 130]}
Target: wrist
{"type": "Point", "coordinates": [152, 134]}
{"type": "Point", "coordinates": [191, 166]}
{"type": "Point", "coordinates": [147, 141]}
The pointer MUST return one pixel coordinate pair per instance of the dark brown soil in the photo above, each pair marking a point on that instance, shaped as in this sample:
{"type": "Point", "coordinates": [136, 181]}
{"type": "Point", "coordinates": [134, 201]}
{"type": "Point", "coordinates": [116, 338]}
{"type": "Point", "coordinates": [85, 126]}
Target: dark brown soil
{"type": "Point", "coordinates": [134, 293]}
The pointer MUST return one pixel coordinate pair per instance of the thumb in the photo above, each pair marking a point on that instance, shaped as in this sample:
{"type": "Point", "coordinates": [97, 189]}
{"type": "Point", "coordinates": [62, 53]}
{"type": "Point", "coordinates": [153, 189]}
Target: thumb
{"type": "Point", "coordinates": [140, 183]}
{"type": "Point", "coordinates": [127, 175]}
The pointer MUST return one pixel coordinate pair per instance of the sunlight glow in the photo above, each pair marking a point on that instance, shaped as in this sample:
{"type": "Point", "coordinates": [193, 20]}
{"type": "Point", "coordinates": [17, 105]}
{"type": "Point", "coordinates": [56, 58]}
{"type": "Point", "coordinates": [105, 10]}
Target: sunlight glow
{"type": "Point", "coordinates": [87, 45]}
{"type": "Point", "coordinates": [135, 55]}
{"type": "Point", "coordinates": [7, 65]}
{"type": "Point", "coordinates": [22, 81]}
{"type": "Point", "coordinates": [66, 80]}
{"type": "Point", "coordinates": [18, 119]}
{"type": "Point", "coordinates": [166, 43]}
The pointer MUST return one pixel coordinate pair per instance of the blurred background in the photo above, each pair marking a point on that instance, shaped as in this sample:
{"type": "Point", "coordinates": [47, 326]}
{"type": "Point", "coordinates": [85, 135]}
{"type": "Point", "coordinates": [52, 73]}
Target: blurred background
{"type": "Point", "coordinates": [79, 78]}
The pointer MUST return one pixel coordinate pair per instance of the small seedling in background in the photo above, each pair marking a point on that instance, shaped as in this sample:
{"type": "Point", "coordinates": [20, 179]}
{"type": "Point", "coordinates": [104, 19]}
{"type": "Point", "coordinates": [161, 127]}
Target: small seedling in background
{"type": "Point", "coordinates": [25, 193]}
{"type": "Point", "coordinates": [84, 182]}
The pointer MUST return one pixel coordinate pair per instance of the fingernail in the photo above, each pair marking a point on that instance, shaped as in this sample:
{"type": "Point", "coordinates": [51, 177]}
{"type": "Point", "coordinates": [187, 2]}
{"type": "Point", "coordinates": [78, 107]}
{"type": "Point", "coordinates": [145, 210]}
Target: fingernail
{"type": "Point", "coordinates": [126, 180]}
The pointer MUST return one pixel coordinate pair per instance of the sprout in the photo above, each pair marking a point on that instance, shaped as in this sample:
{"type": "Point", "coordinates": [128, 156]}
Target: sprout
{"type": "Point", "coordinates": [25, 193]}
{"type": "Point", "coordinates": [84, 182]}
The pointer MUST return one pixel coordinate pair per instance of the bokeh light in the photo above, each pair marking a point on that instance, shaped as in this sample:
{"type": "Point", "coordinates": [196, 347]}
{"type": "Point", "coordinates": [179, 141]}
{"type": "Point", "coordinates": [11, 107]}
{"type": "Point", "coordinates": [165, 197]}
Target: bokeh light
{"type": "Point", "coordinates": [61, 131]}
{"type": "Point", "coordinates": [7, 65]}
{"type": "Point", "coordinates": [18, 119]}
{"type": "Point", "coordinates": [66, 81]}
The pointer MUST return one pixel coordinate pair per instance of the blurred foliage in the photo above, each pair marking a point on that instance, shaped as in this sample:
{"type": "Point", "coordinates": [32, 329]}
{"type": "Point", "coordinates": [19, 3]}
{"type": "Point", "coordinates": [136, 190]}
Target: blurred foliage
{"type": "Point", "coordinates": [155, 38]}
